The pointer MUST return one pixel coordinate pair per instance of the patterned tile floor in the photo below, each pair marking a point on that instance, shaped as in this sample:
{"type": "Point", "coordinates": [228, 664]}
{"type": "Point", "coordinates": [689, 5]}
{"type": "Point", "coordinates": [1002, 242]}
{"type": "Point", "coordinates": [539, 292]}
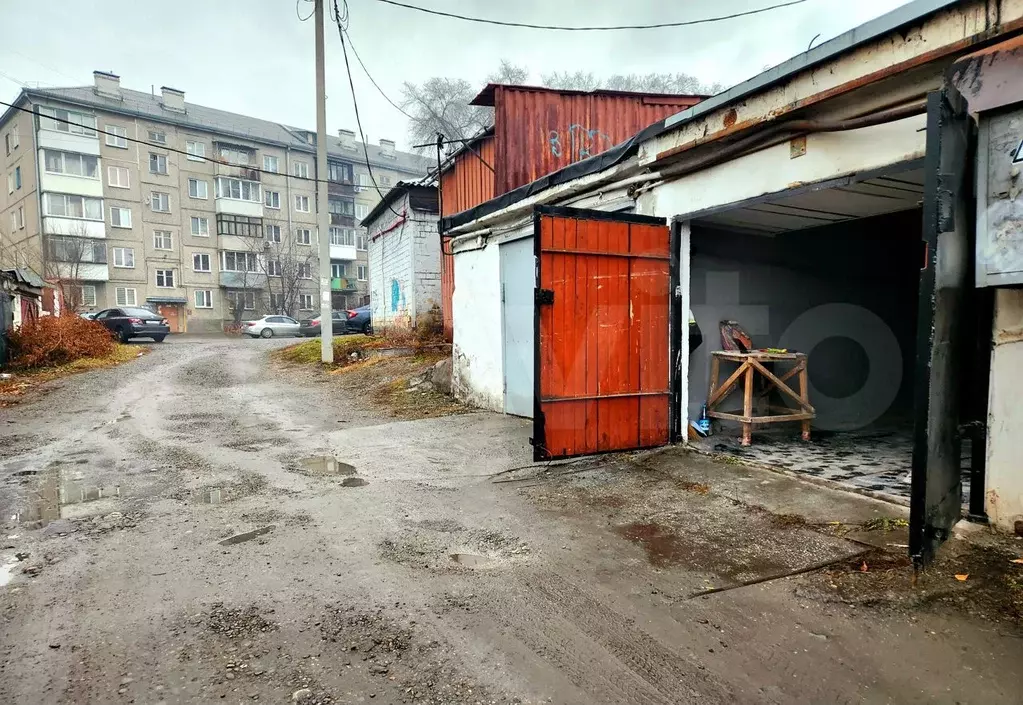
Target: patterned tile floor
{"type": "Point", "coordinates": [876, 459]}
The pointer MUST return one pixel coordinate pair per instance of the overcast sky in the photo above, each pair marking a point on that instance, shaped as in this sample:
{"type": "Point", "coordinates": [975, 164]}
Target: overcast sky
{"type": "Point", "coordinates": [255, 57]}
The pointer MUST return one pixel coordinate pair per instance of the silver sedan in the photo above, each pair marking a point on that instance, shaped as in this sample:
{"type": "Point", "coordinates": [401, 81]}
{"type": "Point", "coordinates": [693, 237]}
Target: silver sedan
{"type": "Point", "coordinates": [269, 326]}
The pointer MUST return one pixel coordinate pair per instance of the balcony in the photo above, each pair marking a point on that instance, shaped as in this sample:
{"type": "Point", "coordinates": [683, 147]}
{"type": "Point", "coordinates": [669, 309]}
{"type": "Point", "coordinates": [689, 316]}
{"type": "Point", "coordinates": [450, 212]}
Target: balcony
{"type": "Point", "coordinates": [243, 280]}
{"type": "Point", "coordinates": [68, 142]}
{"type": "Point", "coordinates": [343, 284]}
{"type": "Point", "coordinates": [342, 252]}
{"type": "Point", "coordinates": [233, 206]}
{"type": "Point", "coordinates": [82, 271]}
{"type": "Point", "coordinates": [67, 183]}
{"type": "Point", "coordinates": [76, 227]}
{"type": "Point", "coordinates": [235, 171]}
{"type": "Point", "coordinates": [339, 219]}
{"type": "Point", "coordinates": [340, 188]}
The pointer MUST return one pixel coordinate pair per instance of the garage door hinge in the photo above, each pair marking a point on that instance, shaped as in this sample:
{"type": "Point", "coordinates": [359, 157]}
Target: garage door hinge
{"type": "Point", "coordinates": [544, 297]}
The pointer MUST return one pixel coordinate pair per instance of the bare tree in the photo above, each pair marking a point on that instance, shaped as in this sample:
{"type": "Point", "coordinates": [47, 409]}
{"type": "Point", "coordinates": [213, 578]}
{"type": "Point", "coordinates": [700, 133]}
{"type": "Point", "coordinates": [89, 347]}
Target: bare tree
{"type": "Point", "coordinates": [283, 270]}
{"type": "Point", "coordinates": [676, 83]}
{"type": "Point", "coordinates": [442, 105]}
{"type": "Point", "coordinates": [67, 256]}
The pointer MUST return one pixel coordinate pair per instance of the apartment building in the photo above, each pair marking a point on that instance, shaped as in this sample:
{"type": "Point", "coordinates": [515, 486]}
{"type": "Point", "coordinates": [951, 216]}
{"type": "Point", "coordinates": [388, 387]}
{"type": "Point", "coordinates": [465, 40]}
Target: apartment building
{"type": "Point", "coordinates": [123, 197]}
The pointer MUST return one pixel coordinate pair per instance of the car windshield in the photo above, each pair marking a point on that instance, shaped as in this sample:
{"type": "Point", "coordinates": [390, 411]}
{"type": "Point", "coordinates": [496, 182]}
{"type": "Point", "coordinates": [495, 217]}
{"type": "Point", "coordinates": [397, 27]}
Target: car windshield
{"type": "Point", "coordinates": [139, 313]}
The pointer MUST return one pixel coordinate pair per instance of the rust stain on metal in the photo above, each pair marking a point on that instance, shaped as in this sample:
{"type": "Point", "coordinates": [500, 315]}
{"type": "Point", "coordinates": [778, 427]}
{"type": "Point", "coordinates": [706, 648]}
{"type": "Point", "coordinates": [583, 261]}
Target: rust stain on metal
{"type": "Point", "coordinates": [539, 131]}
{"type": "Point", "coordinates": [992, 77]}
{"type": "Point", "coordinates": [730, 117]}
{"type": "Point", "coordinates": [797, 146]}
{"type": "Point", "coordinates": [847, 87]}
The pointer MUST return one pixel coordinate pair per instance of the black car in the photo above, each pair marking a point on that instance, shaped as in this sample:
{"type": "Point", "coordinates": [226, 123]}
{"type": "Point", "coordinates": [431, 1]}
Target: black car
{"type": "Point", "coordinates": [310, 327]}
{"type": "Point", "coordinates": [359, 320]}
{"type": "Point", "coordinates": [130, 322]}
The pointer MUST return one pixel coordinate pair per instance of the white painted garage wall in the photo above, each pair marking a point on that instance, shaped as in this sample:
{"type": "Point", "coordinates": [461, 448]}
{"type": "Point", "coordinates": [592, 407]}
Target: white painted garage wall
{"type": "Point", "coordinates": [477, 373]}
{"type": "Point", "coordinates": [1004, 496]}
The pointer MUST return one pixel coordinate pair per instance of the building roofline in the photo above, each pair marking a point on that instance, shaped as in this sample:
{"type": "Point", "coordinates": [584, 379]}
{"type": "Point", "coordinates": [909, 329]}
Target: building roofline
{"type": "Point", "coordinates": [397, 191]}
{"type": "Point", "coordinates": [908, 14]}
{"type": "Point", "coordinates": [486, 96]}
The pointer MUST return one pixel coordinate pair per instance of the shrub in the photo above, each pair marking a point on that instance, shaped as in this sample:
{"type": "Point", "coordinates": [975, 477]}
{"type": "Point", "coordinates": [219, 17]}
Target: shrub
{"type": "Point", "coordinates": [58, 340]}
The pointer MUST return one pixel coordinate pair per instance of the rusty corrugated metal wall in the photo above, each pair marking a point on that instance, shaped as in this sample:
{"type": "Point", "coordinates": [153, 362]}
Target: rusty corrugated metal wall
{"type": "Point", "coordinates": [540, 131]}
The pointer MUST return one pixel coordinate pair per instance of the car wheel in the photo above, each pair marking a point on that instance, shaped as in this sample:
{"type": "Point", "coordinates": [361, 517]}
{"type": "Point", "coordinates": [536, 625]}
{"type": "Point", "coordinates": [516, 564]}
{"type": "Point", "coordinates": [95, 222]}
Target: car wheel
{"type": "Point", "coordinates": [266, 333]}
{"type": "Point", "coordinates": [367, 329]}
{"type": "Point", "coordinates": [158, 338]}
{"type": "Point", "coordinates": [123, 335]}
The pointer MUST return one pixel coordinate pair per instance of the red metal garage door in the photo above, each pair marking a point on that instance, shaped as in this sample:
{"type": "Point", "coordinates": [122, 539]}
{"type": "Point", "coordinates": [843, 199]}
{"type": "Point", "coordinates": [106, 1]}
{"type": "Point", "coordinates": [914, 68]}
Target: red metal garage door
{"type": "Point", "coordinates": [606, 328]}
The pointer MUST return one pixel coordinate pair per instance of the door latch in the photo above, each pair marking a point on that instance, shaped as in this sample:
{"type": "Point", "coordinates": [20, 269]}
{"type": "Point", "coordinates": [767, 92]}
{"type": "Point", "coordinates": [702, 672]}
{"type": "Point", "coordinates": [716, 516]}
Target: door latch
{"type": "Point", "coordinates": [544, 297]}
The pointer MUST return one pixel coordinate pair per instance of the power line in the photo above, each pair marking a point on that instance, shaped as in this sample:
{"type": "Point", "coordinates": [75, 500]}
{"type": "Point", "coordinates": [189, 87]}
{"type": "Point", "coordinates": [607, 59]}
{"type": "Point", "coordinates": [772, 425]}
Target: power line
{"type": "Point", "coordinates": [560, 28]}
{"type": "Point", "coordinates": [298, 12]}
{"type": "Point", "coordinates": [371, 79]}
{"type": "Point", "coordinates": [339, 19]}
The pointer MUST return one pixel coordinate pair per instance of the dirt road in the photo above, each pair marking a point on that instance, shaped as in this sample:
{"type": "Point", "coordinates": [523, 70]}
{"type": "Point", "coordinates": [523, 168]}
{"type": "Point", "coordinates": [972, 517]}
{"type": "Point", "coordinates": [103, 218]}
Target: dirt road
{"type": "Point", "coordinates": [199, 526]}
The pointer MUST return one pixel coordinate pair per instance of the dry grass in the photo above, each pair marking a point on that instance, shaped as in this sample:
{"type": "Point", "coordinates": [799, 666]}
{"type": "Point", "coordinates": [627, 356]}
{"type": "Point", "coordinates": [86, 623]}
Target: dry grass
{"type": "Point", "coordinates": [13, 390]}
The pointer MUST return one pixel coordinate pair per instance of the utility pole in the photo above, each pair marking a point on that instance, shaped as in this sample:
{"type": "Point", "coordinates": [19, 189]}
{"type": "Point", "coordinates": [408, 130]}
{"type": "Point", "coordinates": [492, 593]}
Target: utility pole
{"type": "Point", "coordinates": [322, 215]}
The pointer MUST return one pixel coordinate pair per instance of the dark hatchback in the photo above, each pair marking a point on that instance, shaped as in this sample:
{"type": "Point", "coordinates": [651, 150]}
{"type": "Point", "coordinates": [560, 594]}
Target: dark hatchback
{"type": "Point", "coordinates": [310, 327]}
{"type": "Point", "coordinates": [129, 322]}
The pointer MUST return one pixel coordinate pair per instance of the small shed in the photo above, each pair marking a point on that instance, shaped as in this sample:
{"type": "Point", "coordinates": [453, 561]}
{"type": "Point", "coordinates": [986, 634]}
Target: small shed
{"type": "Point", "coordinates": [404, 256]}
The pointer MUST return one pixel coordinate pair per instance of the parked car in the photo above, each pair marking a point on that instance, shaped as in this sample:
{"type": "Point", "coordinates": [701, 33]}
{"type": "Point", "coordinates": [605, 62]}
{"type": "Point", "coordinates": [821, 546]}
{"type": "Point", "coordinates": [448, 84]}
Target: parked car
{"type": "Point", "coordinates": [359, 320]}
{"type": "Point", "coordinates": [88, 315]}
{"type": "Point", "coordinates": [130, 322]}
{"type": "Point", "coordinates": [269, 326]}
{"type": "Point", "coordinates": [310, 327]}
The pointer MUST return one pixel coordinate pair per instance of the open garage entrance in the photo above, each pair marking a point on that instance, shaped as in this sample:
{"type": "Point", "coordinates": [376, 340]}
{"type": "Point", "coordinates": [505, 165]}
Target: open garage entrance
{"type": "Point", "coordinates": [832, 272]}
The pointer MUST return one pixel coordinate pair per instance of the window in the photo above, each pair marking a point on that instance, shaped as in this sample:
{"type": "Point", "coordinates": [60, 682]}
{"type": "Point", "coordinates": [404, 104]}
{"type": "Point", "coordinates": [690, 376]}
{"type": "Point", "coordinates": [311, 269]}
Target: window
{"type": "Point", "coordinates": [67, 163]}
{"type": "Point", "coordinates": [305, 302]}
{"type": "Point", "coordinates": [273, 233]}
{"type": "Point", "coordinates": [86, 294]}
{"type": "Point", "coordinates": [200, 262]}
{"type": "Point", "coordinates": [340, 206]}
{"type": "Point", "coordinates": [238, 262]}
{"type": "Point", "coordinates": [361, 211]}
{"type": "Point", "coordinates": [304, 236]}
{"type": "Point", "coordinates": [338, 270]}
{"type": "Point", "coordinates": [305, 271]}
{"type": "Point", "coordinates": [300, 169]}
{"type": "Point", "coordinates": [158, 136]}
{"type": "Point", "coordinates": [117, 176]}
{"type": "Point", "coordinates": [14, 220]}
{"type": "Point", "coordinates": [160, 202]}
{"type": "Point", "coordinates": [235, 155]}
{"type": "Point", "coordinates": [21, 217]}
{"type": "Point", "coordinates": [76, 249]}
{"type": "Point", "coordinates": [340, 172]}
{"type": "Point", "coordinates": [237, 189]}
{"type": "Point", "coordinates": [302, 204]}
{"type": "Point", "coordinates": [197, 188]}
{"type": "Point", "coordinates": [67, 121]}
{"type": "Point", "coordinates": [242, 299]}
{"type": "Point", "coordinates": [240, 225]}
{"type": "Point", "coordinates": [7, 143]}
{"type": "Point", "coordinates": [124, 296]}
{"type": "Point", "coordinates": [67, 206]}
{"type": "Point", "coordinates": [276, 302]}
{"type": "Point", "coordinates": [273, 268]}
{"type": "Point", "coordinates": [162, 240]}
{"type": "Point", "coordinates": [157, 163]}
{"type": "Point", "coordinates": [116, 137]}
{"type": "Point", "coordinates": [200, 226]}
{"type": "Point", "coordinates": [362, 272]}
{"type": "Point", "coordinates": [17, 177]}
{"type": "Point", "coordinates": [10, 182]}
{"type": "Point", "coordinates": [272, 199]}
{"type": "Point", "coordinates": [165, 278]}
{"type": "Point", "coordinates": [360, 240]}
{"type": "Point", "coordinates": [196, 151]}
{"type": "Point", "coordinates": [385, 180]}
{"type": "Point", "coordinates": [120, 217]}
{"type": "Point", "coordinates": [203, 298]}
{"type": "Point", "coordinates": [124, 257]}
{"type": "Point", "coordinates": [342, 236]}
{"type": "Point", "coordinates": [15, 139]}
{"type": "Point", "coordinates": [270, 163]}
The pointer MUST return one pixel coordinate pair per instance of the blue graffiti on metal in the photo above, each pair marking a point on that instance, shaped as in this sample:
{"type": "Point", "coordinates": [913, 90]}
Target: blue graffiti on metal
{"type": "Point", "coordinates": [397, 296]}
{"type": "Point", "coordinates": [580, 142]}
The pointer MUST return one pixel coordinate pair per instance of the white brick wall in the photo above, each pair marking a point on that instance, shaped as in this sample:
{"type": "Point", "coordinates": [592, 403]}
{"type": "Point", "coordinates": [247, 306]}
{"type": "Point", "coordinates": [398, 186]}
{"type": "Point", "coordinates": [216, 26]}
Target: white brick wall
{"type": "Point", "coordinates": [404, 267]}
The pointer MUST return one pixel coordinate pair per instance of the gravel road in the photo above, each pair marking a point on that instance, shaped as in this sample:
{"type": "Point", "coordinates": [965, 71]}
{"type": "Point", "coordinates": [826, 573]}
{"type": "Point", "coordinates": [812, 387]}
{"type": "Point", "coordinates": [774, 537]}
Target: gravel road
{"type": "Point", "coordinates": [202, 526]}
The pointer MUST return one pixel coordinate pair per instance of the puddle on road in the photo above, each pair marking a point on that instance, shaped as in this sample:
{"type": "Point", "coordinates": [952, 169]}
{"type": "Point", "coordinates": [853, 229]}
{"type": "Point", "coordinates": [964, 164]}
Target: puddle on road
{"type": "Point", "coordinates": [326, 465]}
{"type": "Point", "coordinates": [471, 560]}
{"type": "Point", "coordinates": [662, 546]}
{"type": "Point", "coordinates": [247, 536]}
{"type": "Point", "coordinates": [354, 482]}
{"type": "Point", "coordinates": [52, 494]}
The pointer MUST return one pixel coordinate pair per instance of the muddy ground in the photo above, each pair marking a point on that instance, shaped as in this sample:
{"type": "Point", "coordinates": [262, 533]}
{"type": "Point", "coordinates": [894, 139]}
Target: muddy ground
{"type": "Point", "coordinates": [204, 526]}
